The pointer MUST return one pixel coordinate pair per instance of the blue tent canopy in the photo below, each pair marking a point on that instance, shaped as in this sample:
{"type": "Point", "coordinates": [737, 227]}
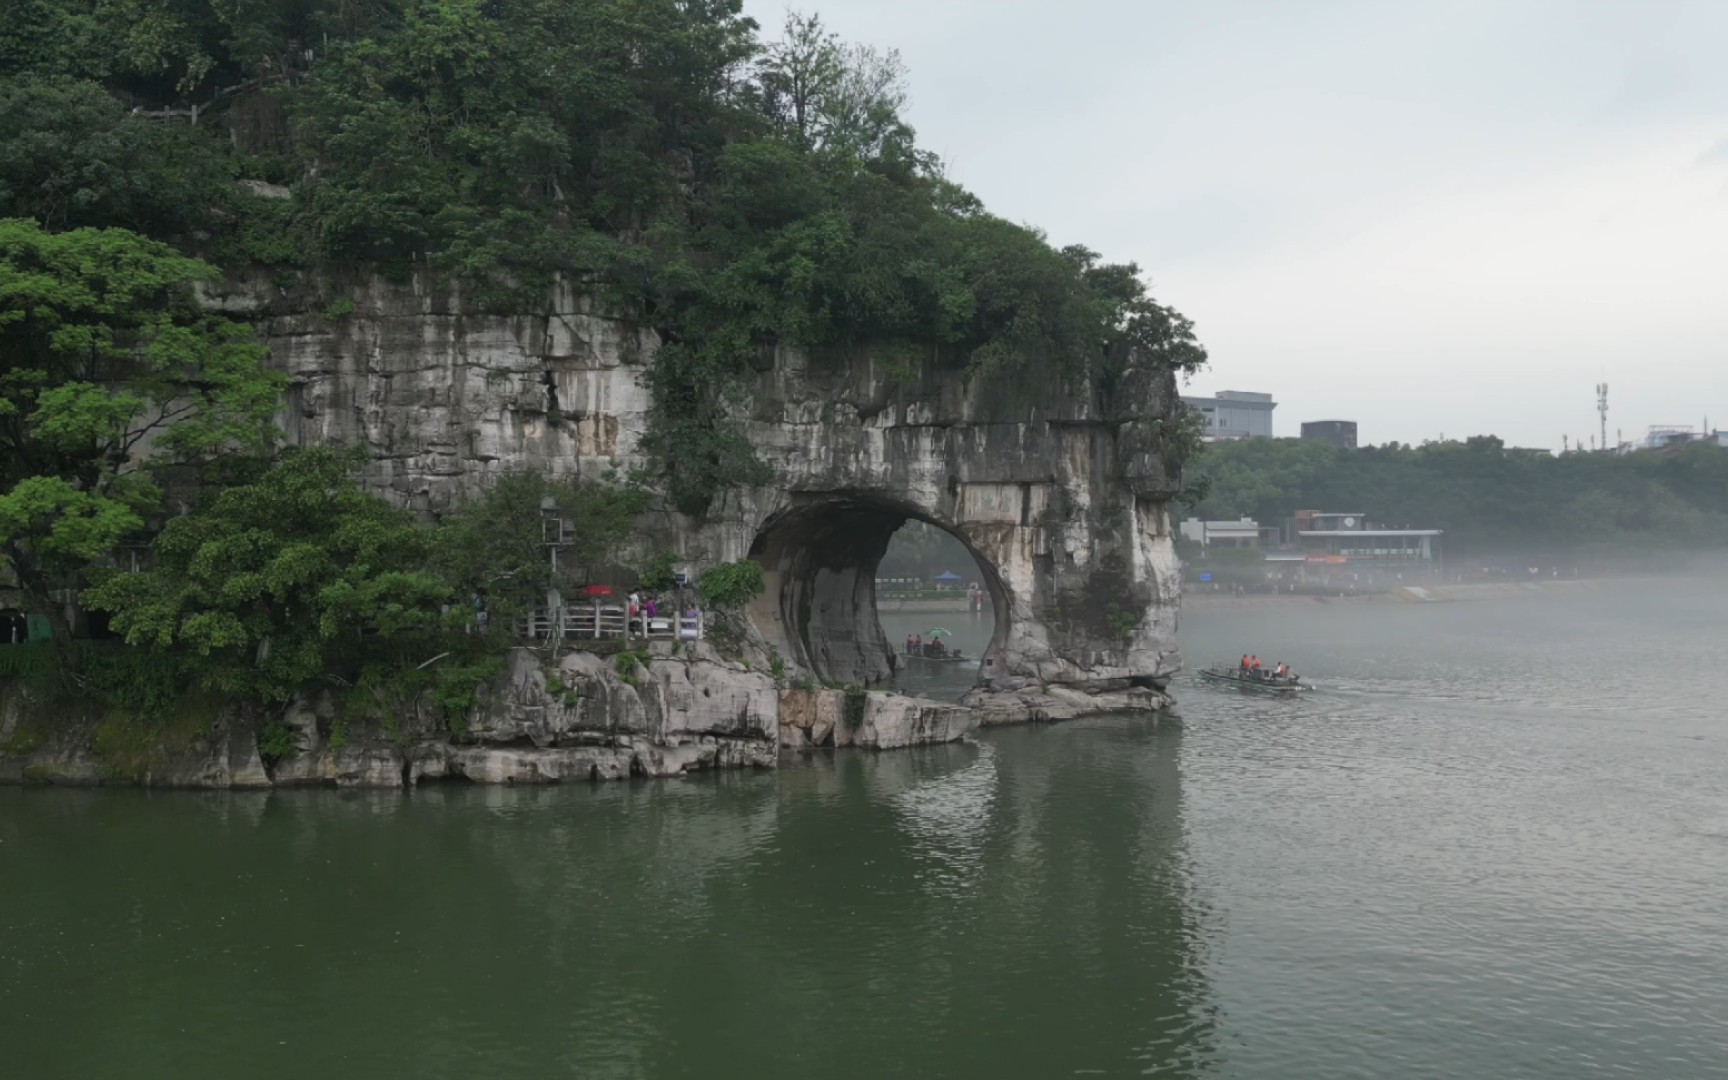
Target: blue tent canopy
{"type": "Point", "coordinates": [947, 575]}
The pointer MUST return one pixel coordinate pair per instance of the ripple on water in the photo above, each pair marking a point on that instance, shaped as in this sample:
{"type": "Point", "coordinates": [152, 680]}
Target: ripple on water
{"type": "Point", "coordinates": [1493, 845]}
{"type": "Point", "coordinates": [1482, 849]}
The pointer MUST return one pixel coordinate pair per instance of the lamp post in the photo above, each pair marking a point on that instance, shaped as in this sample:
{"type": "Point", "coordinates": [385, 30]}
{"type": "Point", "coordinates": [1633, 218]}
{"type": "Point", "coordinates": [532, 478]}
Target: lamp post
{"type": "Point", "coordinates": [552, 534]}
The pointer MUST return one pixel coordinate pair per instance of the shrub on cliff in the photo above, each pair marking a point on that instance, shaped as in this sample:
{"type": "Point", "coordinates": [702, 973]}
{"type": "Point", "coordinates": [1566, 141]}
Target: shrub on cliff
{"type": "Point", "coordinates": [730, 586]}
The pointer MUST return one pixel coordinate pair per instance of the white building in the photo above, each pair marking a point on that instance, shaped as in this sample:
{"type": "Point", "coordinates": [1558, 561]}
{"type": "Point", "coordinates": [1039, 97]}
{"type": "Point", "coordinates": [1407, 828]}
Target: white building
{"type": "Point", "coordinates": [1244, 533]}
{"type": "Point", "coordinates": [1235, 414]}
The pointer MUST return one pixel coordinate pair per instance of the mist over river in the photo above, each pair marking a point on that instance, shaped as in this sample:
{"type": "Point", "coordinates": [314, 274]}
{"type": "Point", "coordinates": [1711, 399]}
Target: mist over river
{"type": "Point", "coordinates": [1495, 844]}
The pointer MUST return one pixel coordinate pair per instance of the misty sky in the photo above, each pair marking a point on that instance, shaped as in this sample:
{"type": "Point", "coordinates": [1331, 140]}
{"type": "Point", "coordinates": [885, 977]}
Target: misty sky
{"type": "Point", "coordinates": [1449, 217]}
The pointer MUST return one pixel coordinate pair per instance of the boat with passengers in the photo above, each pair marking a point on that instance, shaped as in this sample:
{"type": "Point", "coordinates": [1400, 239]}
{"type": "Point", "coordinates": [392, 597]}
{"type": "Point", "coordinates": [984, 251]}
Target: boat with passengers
{"type": "Point", "coordinates": [933, 648]}
{"type": "Point", "coordinates": [1255, 680]}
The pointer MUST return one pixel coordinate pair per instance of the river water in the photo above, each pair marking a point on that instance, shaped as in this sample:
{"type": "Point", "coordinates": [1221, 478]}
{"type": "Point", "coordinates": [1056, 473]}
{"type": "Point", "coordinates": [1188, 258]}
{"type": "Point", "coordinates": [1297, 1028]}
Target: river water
{"type": "Point", "coordinates": [1494, 845]}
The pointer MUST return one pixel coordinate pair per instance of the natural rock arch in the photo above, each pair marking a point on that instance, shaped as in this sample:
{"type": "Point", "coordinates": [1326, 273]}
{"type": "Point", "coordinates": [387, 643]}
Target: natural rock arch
{"type": "Point", "coordinates": [1058, 485]}
{"type": "Point", "coordinates": [819, 559]}
{"type": "Point", "coordinates": [1060, 497]}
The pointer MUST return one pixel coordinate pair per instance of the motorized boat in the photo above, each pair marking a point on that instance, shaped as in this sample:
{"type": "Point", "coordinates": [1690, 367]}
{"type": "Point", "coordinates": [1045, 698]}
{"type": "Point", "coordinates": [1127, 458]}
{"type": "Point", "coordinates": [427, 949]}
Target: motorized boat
{"type": "Point", "coordinates": [1233, 675]}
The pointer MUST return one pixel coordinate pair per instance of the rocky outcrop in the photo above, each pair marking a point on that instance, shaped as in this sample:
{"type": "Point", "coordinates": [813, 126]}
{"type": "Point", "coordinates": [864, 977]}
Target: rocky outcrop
{"type": "Point", "coordinates": [46, 741]}
{"type": "Point", "coordinates": [583, 717]}
{"type": "Point", "coordinates": [1058, 490]}
{"type": "Point", "coordinates": [1039, 703]}
{"type": "Point", "coordinates": [580, 718]}
{"type": "Point", "coordinates": [876, 721]}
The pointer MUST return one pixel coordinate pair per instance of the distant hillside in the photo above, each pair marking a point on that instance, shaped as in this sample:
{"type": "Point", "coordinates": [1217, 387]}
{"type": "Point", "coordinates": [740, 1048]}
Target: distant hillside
{"type": "Point", "coordinates": [1488, 498]}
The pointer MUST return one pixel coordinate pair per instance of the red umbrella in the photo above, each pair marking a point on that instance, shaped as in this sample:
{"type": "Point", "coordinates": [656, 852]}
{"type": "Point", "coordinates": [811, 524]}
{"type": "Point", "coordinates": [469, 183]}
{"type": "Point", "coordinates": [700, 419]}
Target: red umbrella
{"type": "Point", "coordinates": [596, 590]}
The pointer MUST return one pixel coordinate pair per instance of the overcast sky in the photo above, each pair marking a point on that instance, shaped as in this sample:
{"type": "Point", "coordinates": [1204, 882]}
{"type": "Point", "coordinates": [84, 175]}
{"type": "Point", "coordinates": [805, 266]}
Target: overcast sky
{"type": "Point", "coordinates": [1448, 217]}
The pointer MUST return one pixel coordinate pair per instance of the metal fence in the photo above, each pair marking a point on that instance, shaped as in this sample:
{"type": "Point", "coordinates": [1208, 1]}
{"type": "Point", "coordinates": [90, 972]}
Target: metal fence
{"type": "Point", "coordinates": [595, 621]}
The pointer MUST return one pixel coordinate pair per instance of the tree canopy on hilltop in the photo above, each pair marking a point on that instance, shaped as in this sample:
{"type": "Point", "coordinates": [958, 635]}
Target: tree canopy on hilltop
{"type": "Point", "coordinates": [732, 191]}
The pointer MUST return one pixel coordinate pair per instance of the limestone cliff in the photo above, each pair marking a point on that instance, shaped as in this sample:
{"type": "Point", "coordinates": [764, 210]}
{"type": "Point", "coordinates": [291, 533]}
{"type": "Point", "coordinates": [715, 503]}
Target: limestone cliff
{"type": "Point", "coordinates": [1059, 491]}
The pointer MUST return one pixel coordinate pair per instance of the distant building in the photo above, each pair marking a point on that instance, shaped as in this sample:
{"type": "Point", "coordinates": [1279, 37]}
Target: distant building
{"type": "Point", "coordinates": [1349, 538]}
{"type": "Point", "coordinates": [1235, 414]}
{"type": "Point", "coordinates": [1244, 533]}
{"type": "Point", "coordinates": [1662, 436]}
{"type": "Point", "coordinates": [1337, 432]}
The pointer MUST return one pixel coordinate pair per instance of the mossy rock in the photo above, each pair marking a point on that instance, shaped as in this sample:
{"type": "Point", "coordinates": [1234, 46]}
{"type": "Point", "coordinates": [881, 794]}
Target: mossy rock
{"type": "Point", "coordinates": [130, 746]}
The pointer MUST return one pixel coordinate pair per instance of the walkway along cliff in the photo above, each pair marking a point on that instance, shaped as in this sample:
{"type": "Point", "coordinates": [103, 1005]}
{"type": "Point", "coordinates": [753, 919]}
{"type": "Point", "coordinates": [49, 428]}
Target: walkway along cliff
{"type": "Point", "coordinates": [1059, 491]}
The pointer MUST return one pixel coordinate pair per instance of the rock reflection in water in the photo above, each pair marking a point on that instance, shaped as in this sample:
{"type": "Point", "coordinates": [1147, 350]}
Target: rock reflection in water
{"type": "Point", "coordinates": [1010, 909]}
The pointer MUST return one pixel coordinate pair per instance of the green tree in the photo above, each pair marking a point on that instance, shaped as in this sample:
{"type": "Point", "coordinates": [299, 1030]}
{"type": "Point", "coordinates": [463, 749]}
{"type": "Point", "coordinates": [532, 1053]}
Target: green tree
{"type": "Point", "coordinates": [109, 370]}
{"type": "Point", "coordinates": [273, 583]}
{"type": "Point", "coordinates": [496, 545]}
{"type": "Point", "coordinates": [732, 194]}
{"type": "Point", "coordinates": [70, 155]}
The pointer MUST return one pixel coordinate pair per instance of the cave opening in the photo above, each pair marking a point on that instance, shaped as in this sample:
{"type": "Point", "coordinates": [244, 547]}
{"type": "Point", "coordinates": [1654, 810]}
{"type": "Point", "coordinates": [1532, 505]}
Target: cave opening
{"type": "Point", "coordinates": [832, 563]}
{"type": "Point", "coordinates": [930, 588]}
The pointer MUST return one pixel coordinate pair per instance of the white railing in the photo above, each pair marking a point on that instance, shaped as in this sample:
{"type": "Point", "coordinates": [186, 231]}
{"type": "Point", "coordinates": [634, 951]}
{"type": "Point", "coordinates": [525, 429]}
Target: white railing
{"type": "Point", "coordinates": [595, 621]}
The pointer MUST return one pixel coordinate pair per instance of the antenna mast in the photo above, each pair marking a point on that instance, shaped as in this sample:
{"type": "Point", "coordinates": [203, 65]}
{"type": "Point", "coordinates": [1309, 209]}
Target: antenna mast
{"type": "Point", "coordinates": [1602, 410]}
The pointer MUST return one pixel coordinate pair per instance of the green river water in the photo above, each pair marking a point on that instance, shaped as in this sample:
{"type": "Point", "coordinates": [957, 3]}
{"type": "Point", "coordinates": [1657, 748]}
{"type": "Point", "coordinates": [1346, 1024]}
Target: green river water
{"type": "Point", "coordinates": [1494, 845]}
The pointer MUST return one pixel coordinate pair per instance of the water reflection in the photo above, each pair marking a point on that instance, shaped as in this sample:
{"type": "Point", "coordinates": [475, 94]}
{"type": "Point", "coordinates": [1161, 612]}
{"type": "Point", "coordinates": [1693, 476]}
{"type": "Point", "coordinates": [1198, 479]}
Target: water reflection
{"type": "Point", "coordinates": [1016, 908]}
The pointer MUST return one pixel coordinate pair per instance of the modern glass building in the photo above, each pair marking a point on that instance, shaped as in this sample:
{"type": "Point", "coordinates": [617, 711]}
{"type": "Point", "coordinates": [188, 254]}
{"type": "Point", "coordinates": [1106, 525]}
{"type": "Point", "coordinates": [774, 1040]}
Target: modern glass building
{"type": "Point", "coordinates": [1235, 414]}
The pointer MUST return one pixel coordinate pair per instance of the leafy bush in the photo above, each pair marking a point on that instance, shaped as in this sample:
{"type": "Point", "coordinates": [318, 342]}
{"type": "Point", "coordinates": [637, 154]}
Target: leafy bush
{"type": "Point", "coordinates": [275, 742]}
{"type": "Point", "coordinates": [732, 585]}
{"type": "Point", "coordinates": [853, 702]}
{"type": "Point", "coordinates": [1122, 622]}
{"type": "Point", "coordinates": [628, 663]}
{"type": "Point", "coordinates": [35, 664]}
{"type": "Point", "coordinates": [657, 572]}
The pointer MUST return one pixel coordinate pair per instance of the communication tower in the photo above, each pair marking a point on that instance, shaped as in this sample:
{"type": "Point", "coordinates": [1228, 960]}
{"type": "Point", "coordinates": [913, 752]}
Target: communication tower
{"type": "Point", "coordinates": [1602, 410]}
